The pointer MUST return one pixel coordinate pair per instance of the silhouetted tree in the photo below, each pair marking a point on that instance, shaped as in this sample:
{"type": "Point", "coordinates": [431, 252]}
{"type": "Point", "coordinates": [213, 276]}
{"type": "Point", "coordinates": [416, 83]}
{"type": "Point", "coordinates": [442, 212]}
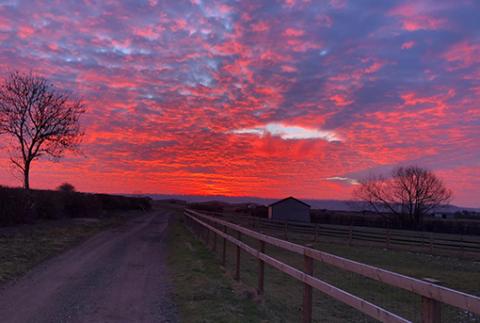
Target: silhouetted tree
{"type": "Point", "coordinates": [40, 119]}
{"type": "Point", "coordinates": [409, 193]}
{"type": "Point", "coordinates": [66, 188]}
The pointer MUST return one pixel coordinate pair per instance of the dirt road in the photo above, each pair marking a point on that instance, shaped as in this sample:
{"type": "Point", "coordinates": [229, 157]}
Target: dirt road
{"type": "Point", "coordinates": [116, 276]}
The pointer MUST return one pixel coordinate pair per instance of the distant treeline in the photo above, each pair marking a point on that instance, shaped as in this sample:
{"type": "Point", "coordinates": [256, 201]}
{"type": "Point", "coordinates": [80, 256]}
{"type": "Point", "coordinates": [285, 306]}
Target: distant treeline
{"type": "Point", "coordinates": [21, 206]}
{"type": "Point", "coordinates": [460, 226]}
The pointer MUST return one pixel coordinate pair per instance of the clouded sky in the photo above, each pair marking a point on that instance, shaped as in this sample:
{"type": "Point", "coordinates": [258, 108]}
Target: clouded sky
{"type": "Point", "coordinates": [265, 98]}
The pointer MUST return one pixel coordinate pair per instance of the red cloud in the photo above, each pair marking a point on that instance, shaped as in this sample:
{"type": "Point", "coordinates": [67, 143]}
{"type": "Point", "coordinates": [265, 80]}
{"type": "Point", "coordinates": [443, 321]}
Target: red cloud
{"type": "Point", "coordinates": [408, 44]}
{"type": "Point", "coordinates": [25, 31]}
{"type": "Point", "coordinates": [166, 86]}
{"type": "Point", "coordinates": [260, 27]}
{"type": "Point", "coordinates": [288, 68]}
{"type": "Point", "coordinates": [293, 32]}
{"type": "Point", "coordinates": [415, 16]}
{"type": "Point", "coordinates": [340, 100]}
{"type": "Point", "coordinates": [463, 54]}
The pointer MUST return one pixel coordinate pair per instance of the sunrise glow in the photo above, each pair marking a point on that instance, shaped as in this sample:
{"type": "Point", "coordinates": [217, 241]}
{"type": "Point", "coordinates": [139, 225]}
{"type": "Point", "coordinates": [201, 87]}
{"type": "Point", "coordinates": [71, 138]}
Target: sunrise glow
{"type": "Point", "coordinates": [255, 98]}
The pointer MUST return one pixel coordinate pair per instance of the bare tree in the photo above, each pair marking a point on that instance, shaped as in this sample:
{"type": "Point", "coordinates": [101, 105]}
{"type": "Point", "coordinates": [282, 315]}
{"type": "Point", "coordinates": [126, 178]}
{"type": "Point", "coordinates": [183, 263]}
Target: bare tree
{"type": "Point", "coordinates": [409, 193]}
{"type": "Point", "coordinates": [40, 119]}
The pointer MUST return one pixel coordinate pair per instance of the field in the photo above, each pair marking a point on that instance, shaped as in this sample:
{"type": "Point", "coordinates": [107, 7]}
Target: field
{"type": "Point", "coordinates": [283, 295]}
{"type": "Point", "coordinates": [24, 246]}
{"type": "Point", "coordinates": [456, 245]}
{"type": "Point", "coordinates": [203, 292]}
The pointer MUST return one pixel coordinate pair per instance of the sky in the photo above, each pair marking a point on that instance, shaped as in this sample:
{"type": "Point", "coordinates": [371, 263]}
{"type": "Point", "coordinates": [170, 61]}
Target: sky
{"type": "Point", "coordinates": [256, 98]}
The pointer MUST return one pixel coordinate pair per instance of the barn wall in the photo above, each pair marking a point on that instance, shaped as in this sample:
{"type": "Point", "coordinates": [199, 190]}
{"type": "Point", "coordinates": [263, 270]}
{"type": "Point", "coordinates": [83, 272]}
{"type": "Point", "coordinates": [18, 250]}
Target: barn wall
{"type": "Point", "coordinates": [290, 210]}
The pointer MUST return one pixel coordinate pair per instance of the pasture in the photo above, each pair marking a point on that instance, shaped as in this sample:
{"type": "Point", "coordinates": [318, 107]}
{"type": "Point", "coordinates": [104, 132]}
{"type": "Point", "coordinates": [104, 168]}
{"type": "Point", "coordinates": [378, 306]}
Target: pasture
{"type": "Point", "coordinates": [282, 301]}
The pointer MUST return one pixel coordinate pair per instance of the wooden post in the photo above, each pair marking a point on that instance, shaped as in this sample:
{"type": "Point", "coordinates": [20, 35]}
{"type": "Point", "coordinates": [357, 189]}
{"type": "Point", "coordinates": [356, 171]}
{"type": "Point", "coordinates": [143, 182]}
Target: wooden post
{"type": "Point", "coordinates": [199, 231]}
{"type": "Point", "coordinates": [207, 239]}
{"type": "Point", "coordinates": [388, 238]}
{"type": "Point", "coordinates": [261, 269]}
{"type": "Point", "coordinates": [431, 242]}
{"type": "Point", "coordinates": [214, 241]}
{"type": "Point", "coordinates": [430, 310]}
{"type": "Point", "coordinates": [307, 290]}
{"type": "Point", "coordinates": [224, 255]}
{"type": "Point", "coordinates": [286, 231]}
{"type": "Point", "coordinates": [237, 268]}
{"type": "Point", "coordinates": [316, 232]}
{"type": "Point", "coordinates": [350, 236]}
{"type": "Point", "coordinates": [195, 228]}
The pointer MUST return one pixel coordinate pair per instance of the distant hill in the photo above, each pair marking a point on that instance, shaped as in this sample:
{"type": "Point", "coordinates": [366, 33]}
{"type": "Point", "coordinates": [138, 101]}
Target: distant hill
{"type": "Point", "coordinates": [334, 205]}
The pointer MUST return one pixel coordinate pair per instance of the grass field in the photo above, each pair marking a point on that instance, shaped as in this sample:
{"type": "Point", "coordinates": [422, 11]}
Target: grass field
{"type": "Point", "coordinates": [24, 246]}
{"type": "Point", "coordinates": [283, 295]}
{"type": "Point", "coordinates": [203, 293]}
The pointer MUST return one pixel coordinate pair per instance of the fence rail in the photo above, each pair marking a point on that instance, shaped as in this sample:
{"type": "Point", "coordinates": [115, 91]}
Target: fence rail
{"type": "Point", "coordinates": [434, 243]}
{"type": "Point", "coordinates": [432, 296]}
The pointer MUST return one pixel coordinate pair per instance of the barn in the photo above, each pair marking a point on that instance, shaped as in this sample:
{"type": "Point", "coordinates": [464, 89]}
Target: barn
{"type": "Point", "coordinates": [289, 209]}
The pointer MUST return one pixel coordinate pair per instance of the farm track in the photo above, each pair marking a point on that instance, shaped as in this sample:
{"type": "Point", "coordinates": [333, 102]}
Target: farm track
{"type": "Point", "coordinates": [117, 276]}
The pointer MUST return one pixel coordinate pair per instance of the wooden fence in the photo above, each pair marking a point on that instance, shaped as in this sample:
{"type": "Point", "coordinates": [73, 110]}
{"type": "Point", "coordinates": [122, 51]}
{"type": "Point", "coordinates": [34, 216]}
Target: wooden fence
{"type": "Point", "coordinates": [432, 296]}
{"type": "Point", "coordinates": [464, 246]}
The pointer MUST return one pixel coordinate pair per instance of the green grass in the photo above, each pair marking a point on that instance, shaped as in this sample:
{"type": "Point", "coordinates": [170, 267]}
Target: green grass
{"type": "Point", "coordinates": [203, 293]}
{"type": "Point", "coordinates": [282, 301]}
{"type": "Point", "coordinates": [22, 247]}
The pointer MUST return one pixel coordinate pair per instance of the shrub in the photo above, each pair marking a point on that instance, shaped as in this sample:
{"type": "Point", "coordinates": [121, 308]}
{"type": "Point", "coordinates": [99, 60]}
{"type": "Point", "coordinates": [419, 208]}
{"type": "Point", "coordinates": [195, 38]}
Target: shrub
{"type": "Point", "coordinates": [20, 206]}
{"type": "Point", "coordinates": [66, 188]}
{"type": "Point", "coordinates": [206, 206]}
{"type": "Point", "coordinates": [13, 206]}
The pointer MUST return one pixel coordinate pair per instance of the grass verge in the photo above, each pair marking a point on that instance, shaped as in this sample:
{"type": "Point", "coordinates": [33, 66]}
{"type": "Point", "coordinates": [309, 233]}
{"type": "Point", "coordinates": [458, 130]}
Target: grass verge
{"type": "Point", "coordinates": [24, 246]}
{"type": "Point", "coordinates": [203, 292]}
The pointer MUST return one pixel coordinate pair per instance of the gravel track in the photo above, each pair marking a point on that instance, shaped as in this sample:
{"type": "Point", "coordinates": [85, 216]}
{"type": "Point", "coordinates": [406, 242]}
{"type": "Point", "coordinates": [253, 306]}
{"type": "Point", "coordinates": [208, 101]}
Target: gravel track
{"type": "Point", "coordinates": [117, 276]}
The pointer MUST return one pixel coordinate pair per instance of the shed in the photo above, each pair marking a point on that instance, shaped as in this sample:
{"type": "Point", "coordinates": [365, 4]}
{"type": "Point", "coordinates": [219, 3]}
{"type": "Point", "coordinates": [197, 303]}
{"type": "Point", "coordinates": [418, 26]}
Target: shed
{"type": "Point", "coordinates": [289, 209]}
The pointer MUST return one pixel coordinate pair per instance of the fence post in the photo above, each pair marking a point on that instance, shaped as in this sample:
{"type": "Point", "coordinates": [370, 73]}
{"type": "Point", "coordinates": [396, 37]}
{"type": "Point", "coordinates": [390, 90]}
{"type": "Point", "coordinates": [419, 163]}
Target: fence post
{"type": "Point", "coordinates": [195, 228]}
{"type": "Point", "coordinates": [431, 243]}
{"type": "Point", "coordinates": [316, 232]}
{"type": "Point", "coordinates": [224, 255]}
{"type": "Point", "coordinates": [207, 240]}
{"type": "Point", "coordinates": [388, 238]}
{"type": "Point", "coordinates": [430, 310]}
{"type": "Point", "coordinates": [237, 265]}
{"type": "Point", "coordinates": [261, 269]}
{"type": "Point", "coordinates": [350, 236]}
{"type": "Point", "coordinates": [199, 229]}
{"type": "Point", "coordinates": [214, 242]}
{"type": "Point", "coordinates": [286, 231]}
{"type": "Point", "coordinates": [307, 290]}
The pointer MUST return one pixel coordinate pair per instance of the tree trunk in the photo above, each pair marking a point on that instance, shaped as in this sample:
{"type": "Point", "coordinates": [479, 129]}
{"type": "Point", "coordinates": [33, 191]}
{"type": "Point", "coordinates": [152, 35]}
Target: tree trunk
{"type": "Point", "coordinates": [26, 176]}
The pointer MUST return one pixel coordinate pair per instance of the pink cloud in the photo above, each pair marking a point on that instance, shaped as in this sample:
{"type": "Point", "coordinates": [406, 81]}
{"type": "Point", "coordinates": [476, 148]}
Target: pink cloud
{"type": "Point", "coordinates": [340, 100]}
{"type": "Point", "coordinates": [288, 68]}
{"type": "Point", "coordinates": [463, 54]}
{"type": "Point", "coordinates": [408, 44]}
{"type": "Point", "coordinates": [260, 26]}
{"type": "Point", "coordinates": [25, 31]}
{"type": "Point", "coordinates": [416, 16]}
{"type": "Point", "coordinates": [293, 32]}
